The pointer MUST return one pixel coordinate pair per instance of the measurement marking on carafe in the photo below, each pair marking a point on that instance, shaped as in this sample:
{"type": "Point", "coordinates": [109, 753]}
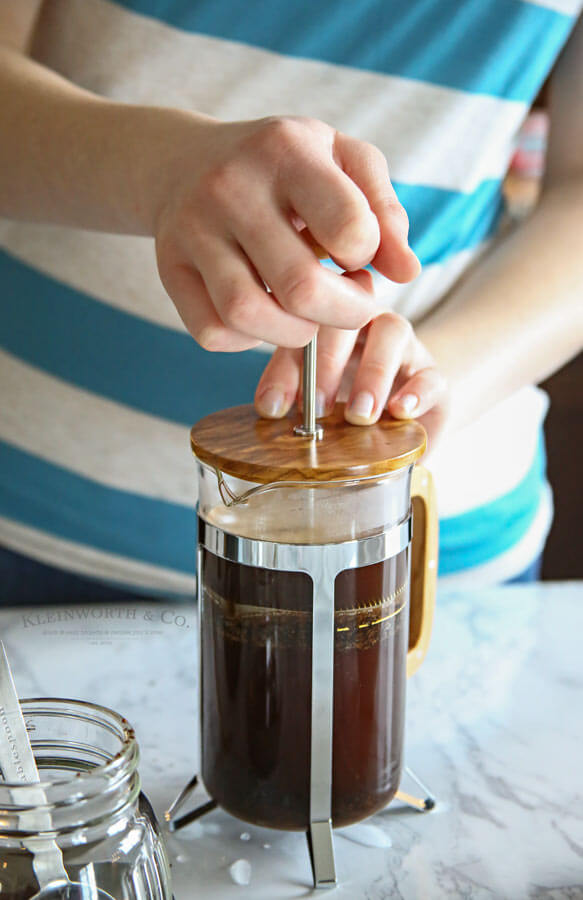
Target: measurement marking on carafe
{"type": "Point", "coordinates": [377, 621]}
{"type": "Point", "coordinates": [384, 618]}
{"type": "Point", "coordinates": [362, 607]}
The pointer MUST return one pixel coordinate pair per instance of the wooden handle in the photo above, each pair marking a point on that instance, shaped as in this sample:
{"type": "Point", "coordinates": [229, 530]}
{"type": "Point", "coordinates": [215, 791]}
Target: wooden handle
{"type": "Point", "coordinates": [423, 566]}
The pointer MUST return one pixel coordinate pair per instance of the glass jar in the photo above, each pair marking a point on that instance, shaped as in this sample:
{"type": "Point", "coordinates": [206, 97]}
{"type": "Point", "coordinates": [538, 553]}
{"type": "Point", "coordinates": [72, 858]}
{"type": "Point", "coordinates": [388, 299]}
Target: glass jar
{"type": "Point", "coordinates": [87, 758]}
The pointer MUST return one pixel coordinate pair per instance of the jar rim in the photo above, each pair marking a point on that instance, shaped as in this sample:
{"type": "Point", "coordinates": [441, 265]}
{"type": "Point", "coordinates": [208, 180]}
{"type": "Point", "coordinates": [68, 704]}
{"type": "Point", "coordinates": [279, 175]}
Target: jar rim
{"type": "Point", "coordinates": [126, 757]}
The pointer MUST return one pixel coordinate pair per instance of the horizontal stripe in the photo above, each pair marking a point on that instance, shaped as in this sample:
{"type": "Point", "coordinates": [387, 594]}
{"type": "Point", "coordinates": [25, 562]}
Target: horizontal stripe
{"type": "Point", "coordinates": [502, 47]}
{"type": "Point", "coordinates": [443, 223]}
{"type": "Point", "coordinates": [51, 499]}
{"type": "Point", "coordinates": [488, 458]}
{"type": "Point", "coordinates": [100, 349]}
{"type": "Point", "coordinates": [121, 448]}
{"type": "Point", "coordinates": [116, 570]}
{"type": "Point", "coordinates": [484, 533]}
{"type": "Point", "coordinates": [109, 352]}
{"type": "Point", "coordinates": [430, 134]}
{"type": "Point", "coordinates": [122, 272]}
{"type": "Point", "coordinates": [163, 372]}
{"type": "Point", "coordinates": [74, 523]}
{"type": "Point", "coordinates": [88, 561]}
{"type": "Point", "coordinates": [511, 562]}
{"type": "Point", "coordinates": [415, 299]}
{"type": "Point", "coordinates": [119, 269]}
{"type": "Point", "coordinates": [94, 437]}
{"type": "Point", "coordinates": [566, 7]}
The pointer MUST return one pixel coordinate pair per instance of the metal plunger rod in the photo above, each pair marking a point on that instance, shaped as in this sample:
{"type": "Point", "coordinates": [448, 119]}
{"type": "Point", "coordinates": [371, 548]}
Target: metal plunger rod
{"type": "Point", "coordinates": [309, 428]}
{"type": "Point", "coordinates": [309, 384]}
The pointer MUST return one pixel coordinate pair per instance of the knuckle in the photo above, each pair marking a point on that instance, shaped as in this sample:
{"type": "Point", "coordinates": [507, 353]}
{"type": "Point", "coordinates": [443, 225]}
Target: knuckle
{"type": "Point", "coordinates": [238, 311]}
{"type": "Point", "coordinates": [282, 134]}
{"type": "Point", "coordinates": [328, 361]}
{"type": "Point", "coordinates": [300, 293]}
{"type": "Point", "coordinates": [219, 183]}
{"type": "Point", "coordinates": [401, 327]}
{"type": "Point", "coordinates": [254, 227]}
{"type": "Point", "coordinates": [375, 368]}
{"type": "Point", "coordinates": [193, 233]}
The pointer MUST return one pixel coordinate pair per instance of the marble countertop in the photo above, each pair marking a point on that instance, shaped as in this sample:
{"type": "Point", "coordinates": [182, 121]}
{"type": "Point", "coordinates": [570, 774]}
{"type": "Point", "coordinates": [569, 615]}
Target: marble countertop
{"type": "Point", "coordinates": [494, 728]}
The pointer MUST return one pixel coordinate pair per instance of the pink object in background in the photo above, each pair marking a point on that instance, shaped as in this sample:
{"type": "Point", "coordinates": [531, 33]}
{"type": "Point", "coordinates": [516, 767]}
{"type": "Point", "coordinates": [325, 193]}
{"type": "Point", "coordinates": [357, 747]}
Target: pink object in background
{"type": "Point", "coordinates": [529, 158]}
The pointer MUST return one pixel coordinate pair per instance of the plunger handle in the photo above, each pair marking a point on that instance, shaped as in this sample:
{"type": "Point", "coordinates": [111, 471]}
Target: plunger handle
{"type": "Point", "coordinates": [309, 427]}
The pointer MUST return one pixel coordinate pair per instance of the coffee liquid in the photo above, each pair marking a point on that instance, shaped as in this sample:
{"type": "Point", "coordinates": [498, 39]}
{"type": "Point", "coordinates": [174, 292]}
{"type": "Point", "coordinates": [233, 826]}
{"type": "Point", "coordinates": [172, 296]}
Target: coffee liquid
{"type": "Point", "coordinates": [256, 689]}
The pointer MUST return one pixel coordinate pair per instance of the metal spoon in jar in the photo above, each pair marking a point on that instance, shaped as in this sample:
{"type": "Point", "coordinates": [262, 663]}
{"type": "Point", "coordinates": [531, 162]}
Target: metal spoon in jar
{"type": "Point", "coordinates": [19, 767]}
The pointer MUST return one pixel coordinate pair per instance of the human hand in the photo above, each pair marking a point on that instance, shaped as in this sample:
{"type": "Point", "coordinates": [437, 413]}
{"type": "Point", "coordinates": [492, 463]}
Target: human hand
{"type": "Point", "coordinates": [383, 365]}
{"type": "Point", "coordinates": [228, 226]}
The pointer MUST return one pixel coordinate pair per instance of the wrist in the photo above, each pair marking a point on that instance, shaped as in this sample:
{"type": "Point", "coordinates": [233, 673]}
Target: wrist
{"type": "Point", "coordinates": [167, 152]}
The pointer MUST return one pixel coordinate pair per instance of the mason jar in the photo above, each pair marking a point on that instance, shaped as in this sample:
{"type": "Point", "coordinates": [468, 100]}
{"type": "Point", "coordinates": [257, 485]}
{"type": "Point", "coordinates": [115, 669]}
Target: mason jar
{"type": "Point", "coordinates": [87, 757]}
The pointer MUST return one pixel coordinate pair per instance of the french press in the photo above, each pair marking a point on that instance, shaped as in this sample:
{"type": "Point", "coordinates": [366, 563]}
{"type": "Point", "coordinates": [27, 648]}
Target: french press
{"type": "Point", "coordinates": [314, 607]}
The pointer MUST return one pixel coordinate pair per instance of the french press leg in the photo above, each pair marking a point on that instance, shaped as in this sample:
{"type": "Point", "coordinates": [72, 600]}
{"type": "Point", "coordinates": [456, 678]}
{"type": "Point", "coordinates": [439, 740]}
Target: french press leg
{"type": "Point", "coordinates": [423, 804]}
{"type": "Point", "coordinates": [320, 831]}
{"type": "Point", "coordinates": [321, 850]}
{"type": "Point", "coordinates": [176, 822]}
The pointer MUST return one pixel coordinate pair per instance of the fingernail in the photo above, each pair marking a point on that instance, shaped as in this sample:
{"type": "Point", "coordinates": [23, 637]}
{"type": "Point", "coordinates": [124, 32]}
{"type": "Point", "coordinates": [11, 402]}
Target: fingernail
{"type": "Point", "coordinates": [362, 405]}
{"type": "Point", "coordinates": [320, 403]}
{"type": "Point", "coordinates": [408, 402]}
{"type": "Point", "coordinates": [271, 402]}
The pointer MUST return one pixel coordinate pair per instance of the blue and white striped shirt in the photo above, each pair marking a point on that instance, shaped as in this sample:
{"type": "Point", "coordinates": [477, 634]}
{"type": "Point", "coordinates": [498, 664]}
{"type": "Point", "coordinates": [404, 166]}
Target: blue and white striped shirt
{"type": "Point", "coordinates": [101, 380]}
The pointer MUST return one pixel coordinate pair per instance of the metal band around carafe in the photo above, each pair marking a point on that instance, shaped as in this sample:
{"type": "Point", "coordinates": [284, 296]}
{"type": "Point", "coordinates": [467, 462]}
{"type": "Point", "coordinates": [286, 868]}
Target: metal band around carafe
{"type": "Point", "coordinates": [310, 558]}
{"type": "Point", "coordinates": [322, 562]}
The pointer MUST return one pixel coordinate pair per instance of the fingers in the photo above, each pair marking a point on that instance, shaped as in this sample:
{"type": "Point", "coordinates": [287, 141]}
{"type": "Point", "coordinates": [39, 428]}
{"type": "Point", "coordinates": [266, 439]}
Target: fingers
{"type": "Point", "coordinates": [388, 345]}
{"type": "Point", "coordinates": [241, 300]}
{"type": "Point", "coordinates": [393, 360]}
{"type": "Point", "coordinates": [335, 348]}
{"type": "Point", "coordinates": [367, 167]}
{"type": "Point", "coordinates": [188, 292]}
{"type": "Point", "coordinates": [394, 371]}
{"type": "Point", "coordinates": [420, 393]}
{"type": "Point", "coordinates": [336, 211]}
{"type": "Point", "coordinates": [303, 287]}
{"type": "Point", "coordinates": [222, 238]}
{"type": "Point", "coordinates": [278, 386]}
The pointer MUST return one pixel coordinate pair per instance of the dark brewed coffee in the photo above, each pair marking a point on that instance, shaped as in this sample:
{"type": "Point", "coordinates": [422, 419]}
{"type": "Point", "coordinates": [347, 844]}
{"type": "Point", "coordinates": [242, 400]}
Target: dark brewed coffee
{"type": "Point", "coordinates": [256, 688]}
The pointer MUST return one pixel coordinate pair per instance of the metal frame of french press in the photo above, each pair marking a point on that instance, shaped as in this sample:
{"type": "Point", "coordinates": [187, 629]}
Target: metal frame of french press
{"type": "Point", "coordinates": [322, 562]}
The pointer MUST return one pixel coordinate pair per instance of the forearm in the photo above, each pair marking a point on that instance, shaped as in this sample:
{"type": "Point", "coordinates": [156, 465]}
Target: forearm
{"type": "Point", "coordinates": [70, 157]}
{"type": "Point", "coordinates": [518, 315]}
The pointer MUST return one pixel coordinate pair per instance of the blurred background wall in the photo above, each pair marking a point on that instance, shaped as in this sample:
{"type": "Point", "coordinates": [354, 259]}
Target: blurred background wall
{"type": "Point", "coordinates": [563, 557]}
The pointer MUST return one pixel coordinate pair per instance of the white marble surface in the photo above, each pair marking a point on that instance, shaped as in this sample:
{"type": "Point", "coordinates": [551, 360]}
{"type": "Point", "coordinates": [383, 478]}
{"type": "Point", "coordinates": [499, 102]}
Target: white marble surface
{"type": "Point", "coordinates": [495, 727]}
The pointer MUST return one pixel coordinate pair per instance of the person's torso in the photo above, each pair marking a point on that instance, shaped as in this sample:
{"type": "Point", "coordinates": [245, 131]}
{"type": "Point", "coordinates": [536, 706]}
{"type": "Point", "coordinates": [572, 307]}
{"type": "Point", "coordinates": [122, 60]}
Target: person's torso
{"type": "Point", "coordinates": [103, 381]}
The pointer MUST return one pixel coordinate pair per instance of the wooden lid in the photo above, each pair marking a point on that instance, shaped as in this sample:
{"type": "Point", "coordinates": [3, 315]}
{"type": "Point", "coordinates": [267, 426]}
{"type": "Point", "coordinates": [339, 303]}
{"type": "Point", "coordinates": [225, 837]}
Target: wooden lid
{"type": "Point", "coordinates": [238, 442]}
